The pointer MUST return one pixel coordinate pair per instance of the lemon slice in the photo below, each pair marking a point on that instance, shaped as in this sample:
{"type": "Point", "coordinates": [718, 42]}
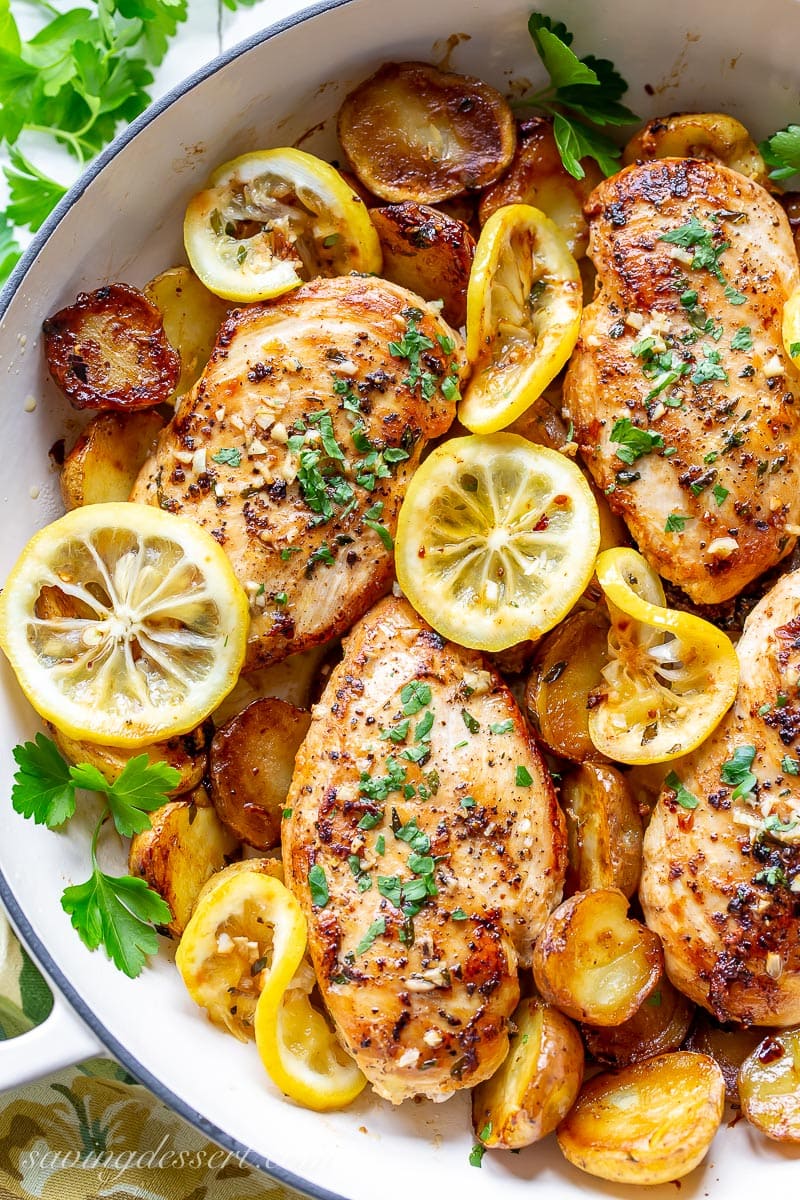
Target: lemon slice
{"type": "Point", "coordinates": [671, 676]}
{"type": "Point", "coordinates": [496, 539]}
{"type": "Point", "coordinates": [791, 326]}
{"type": "Point", "coordinates": [300, 1051]}
{"type": "Point", "coordinates": [124, 624]}
{"type": "Point", "coordinates": [524, 303]}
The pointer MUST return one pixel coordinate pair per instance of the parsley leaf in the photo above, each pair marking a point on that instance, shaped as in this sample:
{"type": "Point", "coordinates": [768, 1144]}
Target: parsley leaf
{"type": "Point", "coordinates": [141, 787]}
{"type": "Point", "coordinates": [742, 339]}
{"type": "Point", "coordinates": [676, 523]}
{"type": "Point", "coordinates": [118, 914]}
{"type": "Point", "coordinates": [375, 930]}
{"type": "Point", "coordinates": [227, 456]}
{"type": "Point", "coordinates": [737, 774]}
{"type": "Point", "coordinates": [632, 442]}
{"type": "Point", "coordinates": [523, 777]}
{"type": "Point", "coordinates": [318, 886]}
{"type": "Point", "coordinates": [781, 152]}
{"type": "Point", "coordinates": [10, 249]}
{"type": "Point", "coordinates": [32, 195]}
{"type": "Point", "coordinates": [720, 494]}
{"type": "Point", "coordinates": [43, 787]}
{"type": "Point", "coordinates": [685, 798]}
{"type": "Point", "coordinates": [502, 726]}
{"type": "Point", "coordinates": [472, 723]}
{"type": "Point", "coordinates": [415, 696]}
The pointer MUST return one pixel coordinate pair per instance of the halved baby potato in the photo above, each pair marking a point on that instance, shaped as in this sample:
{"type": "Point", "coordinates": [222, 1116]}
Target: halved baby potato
{"type": "Point", "coordinates": [109, 350]}
{"type": "Point", "coordinates": [536, 1085]}
{"type": "Point", "coordinates": [657, 1026]}
{"type": "Point", "coordinates": [650, 1123]}
{"type": "Point", "coordinates": [769, 1086]}
{"type": "Point", "coordinates": [729, 1046]}
{"type": "Point", "coordinates": [186, 844]}
{"type": "Point", "coordinates": [427, 252]}
{"type": "Point", "coordinates": [715, 137]}
{"type": "Point", "coordinates": [414, 132]}
{"type": "Point", "coordinates": [251, 766]}
{"type": "Point", "coordinates": [604, 830]}
{"type": "Point", "coordinates": [103, 464]}
{"type": "Point", "coordinates": [593, 961]}
{"type": "Point", "coordinates": [537, 176]}
{"type": "Point", "coordinates": [192, 317]}
{"type": "Point", "coordinates": [566, 670]}
{"type": "Point", "coordinates": [187, 754]}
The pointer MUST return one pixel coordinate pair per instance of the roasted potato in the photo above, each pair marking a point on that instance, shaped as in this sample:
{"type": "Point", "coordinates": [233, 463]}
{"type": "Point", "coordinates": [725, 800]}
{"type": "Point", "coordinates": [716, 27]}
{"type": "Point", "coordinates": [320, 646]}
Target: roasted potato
{"type": "Point", "coordinates": [428, 253]}
{"type": "Point", "coordinates": [298, 679]}
{"type": "Point", "coordinates": [265, 866]}
{"type": "Point", "coordinates": [188, 754]}
{"type": "Point", "coordinates": [109, 350]}
{"type": "Point", "coordinates": [103, 464]}
{"type": "Point", "coordinates": [594, 962]}
{"type": "Point", "coordinates": [715, 137]}
{"type": "Point", "coordinates": [251, 767]}
{"type": "Point", "coordinates": [650, 1123]}
{"type": "Point", "coordinates": [543, 422]}
{"type": "Point", "coordinates": [186, 844]}
{"type": "Point", "coordinates": [728, 1045]}
{"type": "Point", "coordinates": [565, 671]}
{"type": "Point", "coordinates": [538, 1082]}
{"type": "Point", "coordinates": [537, 176]}
{"type": "Point", "coordinates": [769, 1086]}
{"type": "Point", "coordinates": [192, 316]}
{"type": "Point", "coordinates": [604, 830]}
{"type": "Point", "coordinates": [658, 1025]}
{"type": "Point", "coordinates": [413, 132]}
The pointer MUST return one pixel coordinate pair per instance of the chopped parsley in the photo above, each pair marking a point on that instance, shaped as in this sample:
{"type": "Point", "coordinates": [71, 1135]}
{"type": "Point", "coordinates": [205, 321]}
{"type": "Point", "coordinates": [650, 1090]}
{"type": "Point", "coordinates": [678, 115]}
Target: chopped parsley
{"type": "Point", "coordinates": [422, 731]}
{"type": "Point", "coordinates": [684, 797]}
{"type": "Point", "coordinates": [321, 555]}
{"type": "Point", "coordinates": [318, 885]}
{"type": "Point", "coordinates": [742, 339]}
{"type": "Point", "coordinates": [396, 733]}
{"type": "Point", "coordinates": [523, 777]}
{"type": "Point", "coordinates": [410, 347]}
{"type": "Point", "coordinates": [709, 367]}
{"type": "Point", "coordinates": [707, 253]}
{"type": "Point", "coordinates": [375, 930]}
{"type": "Point", "coordinates": [790, 766]}
{"type": "Point", "coordinates": [502, 726]}
{"type": "Point", "coordinates": [632, 442]}
{"type": "Point", "coordinates": [771, 876]}
{"type": "Point", "coordinates": [288, 551]}
{"type": "Point", "coordinates": [468, 802]}
{"type": "Point", "coordinates": [737, 774]}
{"type": "Point", "coordinates": [720, 494]}
{"type": "Point", "coordinates": [676, 523]}
{"type": "Point", "coordinates": [228, 456]}
{"type": "Point", "coordinates": [415, 696]}
{"type": "Point", "coordinates": [458, 914]}
{"type": "Point", "coordinates": [472, 723]}
{"type": "Point", "coordinates": [371, 520]}
{"type": "Point", "coordinates": [380, 787]}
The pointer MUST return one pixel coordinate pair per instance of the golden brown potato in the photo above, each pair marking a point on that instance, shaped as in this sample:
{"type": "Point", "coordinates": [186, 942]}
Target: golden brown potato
{"type": "Point", "coordinates": [192, 316]}
{"type": "Point", "coordinates": [728, 1045]}
{"type": "Point", "coordinates": [658, 1025]}
{"type": "Point", "coordinates": [300, 679]}
{"type": "Point", "coordinates": [428, 253]}
{"type": "Point", "coordinates": [251, 765]}
{"type": "Point", "coordinates": [187, 754]}
{"type": "Point", "coordinates": [566, 669]}
{"type": "Point", "coordinates": [103, 464]}
{"type": "Point", "coordinates": [769, 1086]}
{"type": "Point", "coordinates": [109, 350]}
{"type": "Point", "coordinates": [594, 962]}
{"type": "Point", "coordinates": [537, 176]}
{"type": "Point", "coordinates": [413, 132]}
{"type": "Point", "coordinates": [265, 866]}
{"type": "Point", "coordinates": [186, 844]}
{"type": "Point", "coordinates": [538, 1082]}
{"type": "Point", "coordinates": [650, 1123]}
{"type": "Point", "coordinates": [715, 137]}
{"type": "Point", "coordinates": [604, 830]}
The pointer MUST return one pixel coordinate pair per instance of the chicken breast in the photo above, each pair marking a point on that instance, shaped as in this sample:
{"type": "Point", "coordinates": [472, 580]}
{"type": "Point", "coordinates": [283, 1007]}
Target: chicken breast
{"type": "Point", "coordinates": [426, 848]}
{"type": "Point", "coordinates": [295, 446]}
{"type": "Point", "coordinates": [683, 398]}
{"type": "Point", "coordinates": [721, 882]}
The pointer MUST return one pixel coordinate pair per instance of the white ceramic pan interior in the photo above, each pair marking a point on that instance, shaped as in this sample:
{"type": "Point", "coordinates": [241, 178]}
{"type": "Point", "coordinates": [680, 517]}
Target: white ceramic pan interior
{"type": "Point", "coordinates": [123, 221]}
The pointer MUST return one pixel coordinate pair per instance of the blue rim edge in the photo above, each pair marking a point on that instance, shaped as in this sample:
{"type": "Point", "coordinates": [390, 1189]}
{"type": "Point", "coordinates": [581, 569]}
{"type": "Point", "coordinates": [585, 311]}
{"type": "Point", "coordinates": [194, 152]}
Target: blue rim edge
{"type": "Point", "coordinates": [20, 921]}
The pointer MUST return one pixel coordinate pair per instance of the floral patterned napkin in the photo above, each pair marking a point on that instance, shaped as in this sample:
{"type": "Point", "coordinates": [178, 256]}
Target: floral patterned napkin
{"type": "Point", "coordinates": [92, 1132]}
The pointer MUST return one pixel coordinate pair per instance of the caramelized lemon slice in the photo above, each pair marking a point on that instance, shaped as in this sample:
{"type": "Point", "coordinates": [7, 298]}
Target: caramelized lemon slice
{"type": "Point", "coordinates": [270, 220]}
{"type": "Point", "coordinates": [496, 539]}
{"type": "Point", "coordinates": [671, 676]}
{"type": "Point", "coordinates": [524, 305]}
{"type": "Point", "coordinates": [124, 624]}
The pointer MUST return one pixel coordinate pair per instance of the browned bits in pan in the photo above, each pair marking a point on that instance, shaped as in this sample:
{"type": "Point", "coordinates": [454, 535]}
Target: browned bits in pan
{"type": "Point", "coordinates": [413, 132]}
{"type": "Point", "coordinates": [108, 350]}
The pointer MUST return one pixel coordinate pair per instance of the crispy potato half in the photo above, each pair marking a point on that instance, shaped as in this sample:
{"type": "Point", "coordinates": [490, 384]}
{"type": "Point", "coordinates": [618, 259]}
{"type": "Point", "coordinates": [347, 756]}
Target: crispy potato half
{"type": "Point", "coordinates": [427, 252]}
{"type": "Point", "coordinates": [769, 1086]}
{"type": "Point", "coordinates": [186, 844]}
{"type": "Point", "coordinates": [604, 830]}
{"type": "Point", "coordinates": [650, 1123]}
{"type": "Point", "coordinates": [657, 1026]}
{"type": "Point", "coordinates": [566, 669]}
{"type": "Point", "coordinates": [187, 754]}
{"type": "Point", "coordinates": [594, 962]}
{"type": "Point", "coordinates": [192, 316]}
{"type": "Point", "coordinates": [103, 464]}
{"type": "Point", "coordinates": [109, 350]}
{"type": "Point", "coordinates": [413, 132]}
{"type": "Point", "coordinates": [715, 137]}
{"type": "Point", "coordinates": [728, 1045]}
{"type": "Point", "coordinates": [537, 176]}
{"type": "Point", "coordinates": [251, 767]}
{"type": "Point", "coordinates": [538, 1082]}
{"type": "Point", "coordinates": [264, 866]}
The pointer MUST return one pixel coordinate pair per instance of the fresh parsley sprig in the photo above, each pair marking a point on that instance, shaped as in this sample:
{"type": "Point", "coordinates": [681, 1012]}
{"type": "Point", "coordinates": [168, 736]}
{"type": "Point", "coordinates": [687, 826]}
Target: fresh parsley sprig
{"type": "Point", "coordinates": [781, 153]}
{"type": "Point", "coordinates": [584, 93]}
{"type": "Point", "coordinates": [117, 912]}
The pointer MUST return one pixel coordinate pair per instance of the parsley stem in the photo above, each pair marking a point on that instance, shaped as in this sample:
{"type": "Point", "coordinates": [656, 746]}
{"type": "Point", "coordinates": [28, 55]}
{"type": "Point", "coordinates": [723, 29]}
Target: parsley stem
{"type": "Point", "coordinates": [105, 814]}
{"type": "Point", "coordinates": [63, 135]}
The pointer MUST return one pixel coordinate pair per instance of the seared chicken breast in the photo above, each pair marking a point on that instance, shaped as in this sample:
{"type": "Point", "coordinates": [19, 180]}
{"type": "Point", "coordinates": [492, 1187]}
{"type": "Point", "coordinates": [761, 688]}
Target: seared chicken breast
{"type": "Point", "coordinates": [721, 882]}
{"type": "Point", "coordinates": [295, 446]}
{"type": "Point", "coordinates": [684, 401]}
{"type": "Point", "coordinates": [426, 847]}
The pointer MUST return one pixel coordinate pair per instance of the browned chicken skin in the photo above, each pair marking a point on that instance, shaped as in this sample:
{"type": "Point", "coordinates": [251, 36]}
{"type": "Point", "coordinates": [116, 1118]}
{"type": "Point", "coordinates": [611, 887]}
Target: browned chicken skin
{"type": "Point", "coordinates": [683, 341]}
{"type": "Point", "coordinates": [421, 997]}
{"type": "Point", "coordinates": [724, 898]}
{"type": "Point", "coordinates": [295, 446]}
